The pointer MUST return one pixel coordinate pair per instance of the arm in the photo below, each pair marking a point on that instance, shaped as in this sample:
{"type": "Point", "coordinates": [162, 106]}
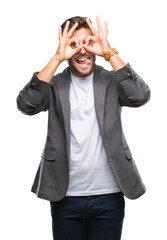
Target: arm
{"type": "Point", "coordinates": [132, 90]}
{"type": "Point", "coordinates": [34, 97]}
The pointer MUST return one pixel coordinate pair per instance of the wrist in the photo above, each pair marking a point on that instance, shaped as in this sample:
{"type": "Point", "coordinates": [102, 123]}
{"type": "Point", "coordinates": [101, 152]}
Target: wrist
{"type": "Point", "coordinates": [110, 53]}
{"type": "Point", "coordinates": [106, 48]}
{"type": "Point", "coordinates": [57, 59]}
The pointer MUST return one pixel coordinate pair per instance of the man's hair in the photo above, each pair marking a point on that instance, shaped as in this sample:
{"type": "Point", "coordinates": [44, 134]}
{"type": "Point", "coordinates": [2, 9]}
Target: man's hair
{"type": "Point", "coordinates": [80, 20]}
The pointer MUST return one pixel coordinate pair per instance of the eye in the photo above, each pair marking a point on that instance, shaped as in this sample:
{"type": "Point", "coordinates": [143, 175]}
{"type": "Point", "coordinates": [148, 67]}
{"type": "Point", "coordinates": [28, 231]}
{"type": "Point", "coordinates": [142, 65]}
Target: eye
{"type": "Point", "coordinates": [73, 45]}
{"type": "Point", "coordinates": [90, 42]}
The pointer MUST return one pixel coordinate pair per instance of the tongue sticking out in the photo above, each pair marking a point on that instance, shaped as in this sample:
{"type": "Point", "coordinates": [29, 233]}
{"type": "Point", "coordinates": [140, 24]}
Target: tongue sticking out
{"type": "Point", "coordinates": [84, 61]}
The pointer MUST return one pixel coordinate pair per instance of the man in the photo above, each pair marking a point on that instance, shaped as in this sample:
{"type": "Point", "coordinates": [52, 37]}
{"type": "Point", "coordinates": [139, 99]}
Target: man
{"type": "Point", "coordinates": [86, 167]}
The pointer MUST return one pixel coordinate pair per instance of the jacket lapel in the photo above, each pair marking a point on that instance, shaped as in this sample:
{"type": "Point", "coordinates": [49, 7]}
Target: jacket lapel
{"type": "Point", "coordinates": [64, 89]}
{"type": "Point", "coordinates": [100, 84]}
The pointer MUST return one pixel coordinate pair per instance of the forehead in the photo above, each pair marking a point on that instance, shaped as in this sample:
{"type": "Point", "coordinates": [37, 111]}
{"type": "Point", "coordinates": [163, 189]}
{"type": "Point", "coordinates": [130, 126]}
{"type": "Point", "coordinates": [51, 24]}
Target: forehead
{"type": "Point", "coordinates": [82, 33]}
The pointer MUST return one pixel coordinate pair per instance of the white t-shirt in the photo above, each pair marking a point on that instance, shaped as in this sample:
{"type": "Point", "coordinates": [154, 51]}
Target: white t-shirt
{"type": "Point", "coordinates": [90, 171]}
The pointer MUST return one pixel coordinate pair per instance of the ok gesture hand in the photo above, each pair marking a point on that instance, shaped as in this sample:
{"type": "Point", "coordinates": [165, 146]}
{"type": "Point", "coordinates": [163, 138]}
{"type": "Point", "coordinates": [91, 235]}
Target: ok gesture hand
{"type": "Point", "coordinates": [65, 51]}
{"type": "Point", "coordinates": [100, 45]}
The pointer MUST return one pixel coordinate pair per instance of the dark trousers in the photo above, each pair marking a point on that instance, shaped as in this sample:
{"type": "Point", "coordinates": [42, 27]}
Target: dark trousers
{"type": "Point", "coordinates": [98, 217]}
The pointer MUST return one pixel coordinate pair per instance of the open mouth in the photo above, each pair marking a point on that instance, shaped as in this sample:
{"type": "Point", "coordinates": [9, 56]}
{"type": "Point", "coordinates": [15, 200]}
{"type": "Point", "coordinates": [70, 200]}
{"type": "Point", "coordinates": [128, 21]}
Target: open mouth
{"type": "Point", "coordinates": [84, 61]}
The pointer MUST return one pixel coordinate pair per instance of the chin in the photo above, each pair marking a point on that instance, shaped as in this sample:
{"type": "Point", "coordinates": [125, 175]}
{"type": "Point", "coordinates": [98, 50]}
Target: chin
{"type": "Point", "coordinates": [83, 72]}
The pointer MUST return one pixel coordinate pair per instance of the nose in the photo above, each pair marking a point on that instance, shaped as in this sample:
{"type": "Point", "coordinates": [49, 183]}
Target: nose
{"type": "Point", "coordinates": [82, 51]}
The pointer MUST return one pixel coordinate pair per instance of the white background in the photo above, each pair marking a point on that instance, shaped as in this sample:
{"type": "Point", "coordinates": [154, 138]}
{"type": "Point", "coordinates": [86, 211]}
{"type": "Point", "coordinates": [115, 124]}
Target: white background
{"type": "Point", "coordinates": [137, 29]}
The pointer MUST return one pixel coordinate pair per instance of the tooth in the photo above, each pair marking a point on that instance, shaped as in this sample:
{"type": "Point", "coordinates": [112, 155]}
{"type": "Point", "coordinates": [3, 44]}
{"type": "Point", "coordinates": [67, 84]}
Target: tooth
{"type": "Point", "coordinates": [82, 59]}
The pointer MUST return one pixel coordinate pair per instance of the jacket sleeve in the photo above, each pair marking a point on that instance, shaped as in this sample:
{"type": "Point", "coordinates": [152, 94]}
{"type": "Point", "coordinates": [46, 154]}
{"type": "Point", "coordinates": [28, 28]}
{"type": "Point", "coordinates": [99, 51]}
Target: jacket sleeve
{"type": "Point", "coordinates": [132, 90]}
{"type": "Point", "coordinates": [34, 97]}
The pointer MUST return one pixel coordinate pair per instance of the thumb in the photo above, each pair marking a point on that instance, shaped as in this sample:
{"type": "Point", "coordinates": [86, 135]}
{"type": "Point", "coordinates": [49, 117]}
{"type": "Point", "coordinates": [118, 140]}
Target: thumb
{"type": "Point", "coordinates": [88, 48]}
{"type": "Point", "coordinates": [77, 48]}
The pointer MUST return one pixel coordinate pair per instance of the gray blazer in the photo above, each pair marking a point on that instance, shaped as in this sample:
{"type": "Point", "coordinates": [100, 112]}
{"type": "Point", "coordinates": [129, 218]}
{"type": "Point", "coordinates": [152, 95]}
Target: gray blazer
{"type": "Point", "coordinates": [112, 90]}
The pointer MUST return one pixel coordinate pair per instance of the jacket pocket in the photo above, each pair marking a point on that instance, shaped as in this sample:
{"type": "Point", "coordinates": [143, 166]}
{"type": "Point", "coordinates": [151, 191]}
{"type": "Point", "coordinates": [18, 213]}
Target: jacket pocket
{"type": "Point", "coordinates": [128, 153]}
{"type": "Point", "coordinates": [49, 155]}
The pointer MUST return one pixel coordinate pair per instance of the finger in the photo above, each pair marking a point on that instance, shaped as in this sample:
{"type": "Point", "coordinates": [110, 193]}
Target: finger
{"type": "Point", "coordinates": [88, 48]}
{"type": "Point", "coordinates": [78, 45]}
{"type": "Point", "coordinates": [90, 40]}
{"type": "Point", "coordinates": [106, 28]}
{"type": "Point", "coordinates": [71, 31]}
{"type": "Point", "coordinates": [60, 34]}
{"type": "Point", "coordinates": [73, 40]}
{"type": "Point", "coordinates": [66, 28]}
{"type": "Point", "coordinates": [100, 29]}
{"type": "Point", "coordinates": [78, 48]}
{"type": "Point", "coordinates": [74, 43]}
{"type": "Point", "coordinates": [91, 27]}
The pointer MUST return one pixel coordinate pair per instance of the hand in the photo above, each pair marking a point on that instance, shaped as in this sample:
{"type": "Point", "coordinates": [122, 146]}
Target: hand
{"type": "Point", "coordinates": [100, 45]}
{"type": "Point", "coordinates": [66, 50]}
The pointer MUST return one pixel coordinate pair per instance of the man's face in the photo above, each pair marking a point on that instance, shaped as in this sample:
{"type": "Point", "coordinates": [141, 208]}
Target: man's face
{"type": "Point", "coordinates": [83, 62]}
